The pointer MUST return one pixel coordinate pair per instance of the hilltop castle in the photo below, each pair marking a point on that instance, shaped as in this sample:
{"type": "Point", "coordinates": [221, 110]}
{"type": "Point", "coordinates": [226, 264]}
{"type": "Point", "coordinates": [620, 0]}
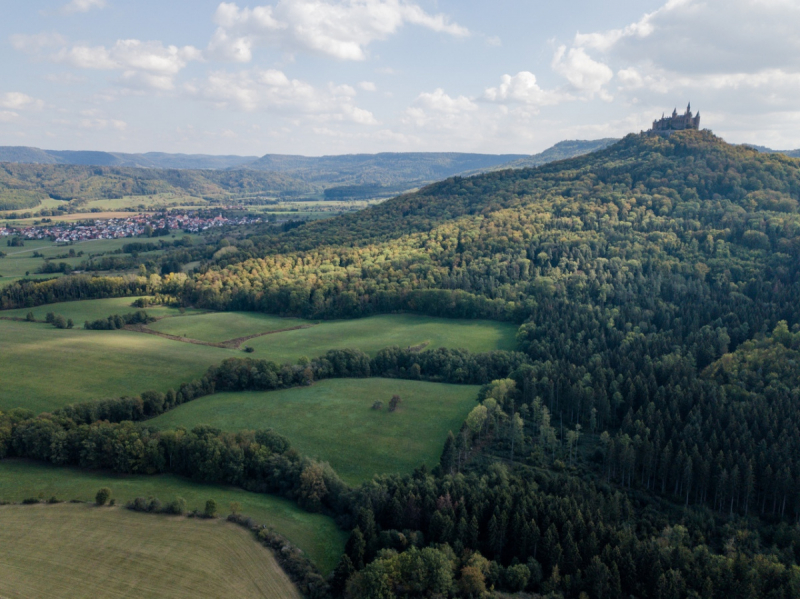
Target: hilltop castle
{"type": "Point", "coordinates": [676, 122]}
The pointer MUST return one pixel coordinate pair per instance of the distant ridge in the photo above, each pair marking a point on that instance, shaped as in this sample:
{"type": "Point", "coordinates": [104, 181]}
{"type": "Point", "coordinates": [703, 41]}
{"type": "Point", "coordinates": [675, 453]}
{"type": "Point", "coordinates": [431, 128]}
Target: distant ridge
{"type": "Point", "coordinates": [27, 155]}
{"type": "Point", "coordinates": [766, 150]}
{"type": "Point", "coordinates": [561, 151]}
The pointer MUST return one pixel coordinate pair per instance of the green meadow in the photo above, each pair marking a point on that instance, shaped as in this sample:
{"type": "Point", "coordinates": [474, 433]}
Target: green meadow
{"type": "Point", "coordinates": [43, 368]}
{"type": "Point", "coordinates": [315, 534]}
{"type": "Point", "coordinates": [223, 326]}
{"type": "Point", "coordinates": [92, 310]}
{"type": "Point", "coordinates": [376, 332]}
{"type": "Point", "coordinates": [71, 550]}
{"type": "Point", "coordinates": [333, 421]}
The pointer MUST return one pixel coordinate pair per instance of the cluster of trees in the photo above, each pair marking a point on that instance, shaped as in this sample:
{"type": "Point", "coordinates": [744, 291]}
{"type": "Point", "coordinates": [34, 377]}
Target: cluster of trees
{"type": "Point", "coordinates": [57, 320]}
{"type": "Point", "coordinates": [518, 530]}
{"type": "Point", "coordinates": [50, 267]}
{"type": "Point", "coordinates": [245, 374]}
{"type": "Point", "coordinates": [117, 321]}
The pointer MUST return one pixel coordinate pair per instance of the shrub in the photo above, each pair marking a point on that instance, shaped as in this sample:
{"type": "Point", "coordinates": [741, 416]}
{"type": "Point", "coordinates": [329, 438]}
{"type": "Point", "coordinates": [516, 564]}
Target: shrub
{"type": "Point", "coordinates": [103, 495]}
{"type": "Point", "coordinates": [377, 405]}
{"type": "Point", "coordinates": [211, 509]}
{"type": "Point", "coordinates": [177, 506]}
{"type": "Point", "coordinates": [394, 402]}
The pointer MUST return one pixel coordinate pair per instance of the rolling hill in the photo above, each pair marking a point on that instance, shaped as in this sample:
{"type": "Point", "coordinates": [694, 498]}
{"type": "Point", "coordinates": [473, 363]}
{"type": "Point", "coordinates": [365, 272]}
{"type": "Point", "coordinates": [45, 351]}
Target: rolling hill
{"type": "Point", "coordinates": [643, 441]}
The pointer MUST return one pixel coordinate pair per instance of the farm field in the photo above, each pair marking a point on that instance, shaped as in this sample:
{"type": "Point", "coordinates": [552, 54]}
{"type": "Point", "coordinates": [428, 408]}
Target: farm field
{"type": "Point", "coordinates": [376, 332]}
{"type": "Point", "coordinates": [44, 368]}
{"type": "Point", "coordinates": [315, 534]}
{"type": "Point", "coordinates": [20, 260]}
{"type": "Point", "coordinates": [93, 309]}
{"type": "Point", "coordinates": [85, 551]}
{"type": "Point", "coordinates": [333, 421]}
{"type": "Point", "coordinates": [223, 326]}
{"type": "Point", "coordinates": [155, 202]}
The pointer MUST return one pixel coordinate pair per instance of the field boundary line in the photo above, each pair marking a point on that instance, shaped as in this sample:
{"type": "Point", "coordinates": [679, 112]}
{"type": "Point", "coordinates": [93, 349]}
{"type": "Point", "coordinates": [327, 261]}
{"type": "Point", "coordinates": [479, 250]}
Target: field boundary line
{"type": "Point", "coordinates": [229, 344]}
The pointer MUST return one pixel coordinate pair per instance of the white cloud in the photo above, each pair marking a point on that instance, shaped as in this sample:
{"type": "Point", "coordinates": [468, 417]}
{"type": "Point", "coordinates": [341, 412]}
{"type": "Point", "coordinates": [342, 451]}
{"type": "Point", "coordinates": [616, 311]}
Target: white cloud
{"type": "Point", "coordinates": [439, 101]}
{"type": "Point", "coordinates": [82, 6]}
{"type": "Point", "coordinates": [271, 90]}
{"type": "Point", "coordinates": [439, 111]}
{"type": "Point", "coordinates": [6, 116]}
{"type": "Point", "coordinates": [367, 86]}
{"type": "Point", "coordinates": [19, 101]}
{"type": "Point", "coordinates": [144, 64]}
{"type": "Point", "coordinates": [705, 36]}
{"type": "Point", "coordinates": [583, 73]}
{"type": "Point", "coordinates": [522, 88]}
{"type": "Point", "coordinates": [341, 29]}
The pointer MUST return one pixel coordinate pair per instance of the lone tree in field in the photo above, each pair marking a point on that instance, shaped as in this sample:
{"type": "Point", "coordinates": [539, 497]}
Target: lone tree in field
{"type": "Point", "coordinates": [102, 496]}
{"type": "Point", "coordinates": [394, 402]}
{"type": "Point", "coordinates": [211, 509]}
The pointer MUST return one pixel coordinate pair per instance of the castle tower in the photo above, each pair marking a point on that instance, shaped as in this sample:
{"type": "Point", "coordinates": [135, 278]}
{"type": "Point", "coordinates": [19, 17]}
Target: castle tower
{"type": "Point", "coordinates": [676, 122]}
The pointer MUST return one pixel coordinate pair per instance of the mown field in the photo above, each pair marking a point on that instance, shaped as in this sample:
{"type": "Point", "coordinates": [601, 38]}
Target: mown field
{"type": "Point", "coordinates": [84, 551]}
{"type": "Point", "coordinates": [94, 309]}
{"type": "Point", "coordinates": [43, 368]}
{"type": "Point", "coordinates": [223, 326]}
{"type": "Point", "coordinates": [333, 420]}
{"type": "Point", "coordinates": [315, 534]}
{"type": "Point", "coordinates": [376, 332]}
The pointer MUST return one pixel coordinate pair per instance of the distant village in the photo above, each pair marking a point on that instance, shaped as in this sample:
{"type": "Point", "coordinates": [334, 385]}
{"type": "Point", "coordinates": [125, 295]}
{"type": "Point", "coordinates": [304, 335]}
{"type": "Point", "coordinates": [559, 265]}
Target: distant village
{"type": "Point", "coordinates": [132, 226]}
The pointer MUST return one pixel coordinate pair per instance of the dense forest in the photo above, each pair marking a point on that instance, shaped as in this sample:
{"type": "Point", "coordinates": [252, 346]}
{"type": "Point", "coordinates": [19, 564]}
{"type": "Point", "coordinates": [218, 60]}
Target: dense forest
{"type": "Point", "coordinates": [642, 442]}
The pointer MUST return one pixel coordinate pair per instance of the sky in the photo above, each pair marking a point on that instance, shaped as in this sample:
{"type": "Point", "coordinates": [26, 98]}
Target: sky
{"type": "Point", "coordinates": [319, 77]}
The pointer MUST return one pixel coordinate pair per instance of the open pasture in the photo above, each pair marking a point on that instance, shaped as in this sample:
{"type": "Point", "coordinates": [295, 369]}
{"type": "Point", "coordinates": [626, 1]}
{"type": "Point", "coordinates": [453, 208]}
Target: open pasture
{"type": "Point", "coordinates": [333, 421]}
{"type": "Point", "coordinates": [376, 332]}
{"type": "Point", "coordinates": [315, 534]}
{"type": "Point", "coordinates": [155, 202]}
{"type": "Point", "coordinates": [44, 368]}
{"type": "Point", "coordinates": [20, 262]}
{"type": "Point", "coordinates": [83, 551]}
{"type": "Point", "coordinates": [223, 326]}
{"type": "Point", "coordinates": [81, 311]}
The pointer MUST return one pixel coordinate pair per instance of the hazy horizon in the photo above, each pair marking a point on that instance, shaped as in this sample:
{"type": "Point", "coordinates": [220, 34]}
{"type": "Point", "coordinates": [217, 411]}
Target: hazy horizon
{"type": "Point", "coordinates": [332, 77]}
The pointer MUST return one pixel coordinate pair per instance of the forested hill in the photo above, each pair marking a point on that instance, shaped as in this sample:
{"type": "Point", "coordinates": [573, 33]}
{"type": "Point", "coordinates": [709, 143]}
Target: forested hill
{"type": "Point", "coordinates": [658, 180]}
{"type": "Point", "coordinates": [656, 286]}
{"type": "Point", "coordinates": [25, 185]}
{"type": "Point", "coordinates": [561, 151]}
{"type": "Point", "coordinates": [630, 270]}
{"type": "Point", "coordinates": [29, 155]}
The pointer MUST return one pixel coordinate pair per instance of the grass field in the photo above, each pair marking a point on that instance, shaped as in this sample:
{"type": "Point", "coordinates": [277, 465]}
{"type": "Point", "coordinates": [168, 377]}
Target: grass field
{"type": "Point", "coordinates": [20, 260]}
{"type": "Point", "coordinates": [315, 534]}
{"type": "Point", "coordinates": [222, 326]}
{"type": "Point", "coordinates": [154, 202]}
{"type": "Point", "coordinates": [333, 421]}
{"type": "Point", "coordinates": [43, 368]}
{"type": "Point", "coordinates": [83, 551]}
{"type": "Point", "coordinates": [376, 332]}
{"type": "Point", "coordinates": [93, 309]}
